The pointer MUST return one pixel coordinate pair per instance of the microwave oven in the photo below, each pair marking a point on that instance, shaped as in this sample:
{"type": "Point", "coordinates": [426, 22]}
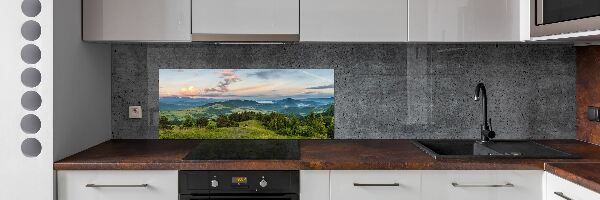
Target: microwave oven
{"type": "Point", "coordinates": [556, 17]}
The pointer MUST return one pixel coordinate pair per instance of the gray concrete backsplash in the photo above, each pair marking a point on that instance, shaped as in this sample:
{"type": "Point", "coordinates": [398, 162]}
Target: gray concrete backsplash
{"type": "Point", "coordinates": [390, 91]}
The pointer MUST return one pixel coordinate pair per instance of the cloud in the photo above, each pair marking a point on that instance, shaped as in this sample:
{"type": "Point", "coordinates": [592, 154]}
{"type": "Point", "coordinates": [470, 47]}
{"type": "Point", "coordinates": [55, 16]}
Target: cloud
{"type": "Point", "coordinates": [221, 95]}
{"type": "Point", "coordinates": [269, 74]}
{"type": "Point", "coordinates": [253, 89]}
{"type": "Point", "coordinates": [189, 91]}
{"type": "Point", "coordinates": [320, 87]}
{"type": "Point", "coordinates": [229, 77]}
{"type": "Point", "coordinates": [317, 76]}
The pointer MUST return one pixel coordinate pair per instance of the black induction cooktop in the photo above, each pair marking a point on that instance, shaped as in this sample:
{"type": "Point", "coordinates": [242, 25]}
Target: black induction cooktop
{"type": "Point", "coordinates": [245, 150]}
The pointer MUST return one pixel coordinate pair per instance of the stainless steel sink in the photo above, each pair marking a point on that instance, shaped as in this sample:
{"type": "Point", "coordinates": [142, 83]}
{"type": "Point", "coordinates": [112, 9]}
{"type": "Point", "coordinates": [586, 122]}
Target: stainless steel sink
{"type": "Point", "coordinates": [471, 149]}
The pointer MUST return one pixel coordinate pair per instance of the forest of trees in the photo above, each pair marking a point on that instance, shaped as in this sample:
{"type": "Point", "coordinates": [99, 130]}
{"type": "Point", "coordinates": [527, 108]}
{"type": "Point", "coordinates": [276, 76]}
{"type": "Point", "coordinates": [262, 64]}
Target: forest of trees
{"type": "Point", "coordinates": [317, 125]}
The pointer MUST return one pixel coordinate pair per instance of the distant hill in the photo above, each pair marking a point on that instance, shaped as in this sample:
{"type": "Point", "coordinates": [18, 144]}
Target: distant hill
{"type": "Point", "coordinates": [235, 103]}
{"type": "Point", "coordinates": [323, 101]}
{"type": "Point", "coordinates": [180, 103]}
{"type": "Point", "coordinates": [211, 108]}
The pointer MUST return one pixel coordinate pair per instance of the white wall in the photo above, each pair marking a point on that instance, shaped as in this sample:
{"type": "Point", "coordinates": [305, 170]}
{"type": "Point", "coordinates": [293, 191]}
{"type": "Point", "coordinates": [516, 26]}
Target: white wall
{"type": "Point", "coordinates": [82, 75]}
{"type": "Point", "coordinates": [21, 177]}
{"type": "Point", "coordinates": [82, 83]}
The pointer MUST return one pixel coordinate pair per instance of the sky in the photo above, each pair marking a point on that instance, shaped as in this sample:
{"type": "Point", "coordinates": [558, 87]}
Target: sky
{"type": "Point", "coordinates": [250, 84]}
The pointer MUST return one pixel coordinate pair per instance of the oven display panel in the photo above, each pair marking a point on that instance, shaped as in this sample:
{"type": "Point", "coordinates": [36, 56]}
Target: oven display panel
{"type": "Point", "coordinates": [239, 181]}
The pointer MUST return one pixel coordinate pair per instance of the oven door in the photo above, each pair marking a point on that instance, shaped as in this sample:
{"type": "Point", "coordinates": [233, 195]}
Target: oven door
{"type": "Point", "coordinates": [553, 17]}
{"type": "Point", "coordinates": [240, 197]}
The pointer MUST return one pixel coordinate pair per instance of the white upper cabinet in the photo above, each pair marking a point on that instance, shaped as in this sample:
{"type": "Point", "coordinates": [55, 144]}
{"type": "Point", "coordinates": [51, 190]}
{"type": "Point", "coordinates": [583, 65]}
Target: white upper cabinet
{"type": "Point", "coordinates": [307, 20]}
{"type": "Point", "coordinates": [245, 20]}
{"type": "Point", "coordinates": [353, 20]}
{"type": "Point", "coordinates": [136, 20]}
{"type": "Point", "coordinates": [468, 20]}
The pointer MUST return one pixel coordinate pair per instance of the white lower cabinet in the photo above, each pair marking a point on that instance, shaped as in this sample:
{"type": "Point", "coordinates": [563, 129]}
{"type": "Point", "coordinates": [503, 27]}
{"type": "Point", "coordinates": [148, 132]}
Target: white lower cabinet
{"type": "Point", "coordinates": [341, 185]}
{"type": "Point", "coordinates": [117, 185]}
{"type": "Point", "coordinates": [482, 185]}
{"type": "Point", "coordinates": [436, 185]}
{"type": "Point", "coordinates": [375, 185]}
{"type": "Point", "coordinates": [314, 185]}
{"type": "Point", "coordinates": [560, 189]}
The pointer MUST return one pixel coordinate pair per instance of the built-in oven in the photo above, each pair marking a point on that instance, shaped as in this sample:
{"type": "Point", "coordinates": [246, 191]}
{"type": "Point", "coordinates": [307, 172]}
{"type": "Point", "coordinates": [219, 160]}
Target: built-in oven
{"type": "Point", "coordinates": [237, 185]}
{"type": "Point", "coordinates": [553, 17]}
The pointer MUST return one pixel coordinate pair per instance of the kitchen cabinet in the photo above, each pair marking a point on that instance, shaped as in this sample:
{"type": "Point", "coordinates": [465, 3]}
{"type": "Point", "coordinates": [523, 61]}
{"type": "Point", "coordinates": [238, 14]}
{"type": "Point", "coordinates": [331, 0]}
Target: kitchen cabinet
{"type": "Point", "coordinates": [481, 185]}
{"type": "Point", "coordinates": [353, 20]}
{"type": "Point", "coordinates": [245, 20]}
{"type": "Point", "coordinates": [137, 20]}
{"type": "Point", "coordinates": [117, 185]}
{"type": "Point", "coordinates": [560, 189]}
{"type": "Point", "coordinates": [314, 185]}
{"type": "Point", "coordinates": [375, 184]}
{"type": "Point", "coordinates": [307, 20]}
{"type": "Point", "coordinates": [468, 20]}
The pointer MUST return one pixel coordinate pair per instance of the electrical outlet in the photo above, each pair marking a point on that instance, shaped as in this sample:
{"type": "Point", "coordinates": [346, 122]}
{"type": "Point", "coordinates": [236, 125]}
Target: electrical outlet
{"type": "Point", "coordinates": [135, 112]}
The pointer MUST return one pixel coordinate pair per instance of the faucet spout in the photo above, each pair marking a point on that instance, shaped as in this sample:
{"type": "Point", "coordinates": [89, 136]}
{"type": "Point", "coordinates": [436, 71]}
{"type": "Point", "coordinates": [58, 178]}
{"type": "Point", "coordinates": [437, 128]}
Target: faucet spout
{"type": "Point", "coordinates": [486, 132]}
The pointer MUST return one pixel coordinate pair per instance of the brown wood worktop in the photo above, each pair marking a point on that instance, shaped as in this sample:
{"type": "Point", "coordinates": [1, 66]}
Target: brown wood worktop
{"type": "Point", "coordinates": [584, 174]}
{"type": "Point", "coordinates": [315, 154]}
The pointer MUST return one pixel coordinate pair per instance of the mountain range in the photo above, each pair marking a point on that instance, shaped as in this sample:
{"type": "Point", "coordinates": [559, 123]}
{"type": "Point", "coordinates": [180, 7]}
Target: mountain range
{"type": "Point", "coordinates": [181, 106]}
{"type": "Point", "coordinates": [181, 103]}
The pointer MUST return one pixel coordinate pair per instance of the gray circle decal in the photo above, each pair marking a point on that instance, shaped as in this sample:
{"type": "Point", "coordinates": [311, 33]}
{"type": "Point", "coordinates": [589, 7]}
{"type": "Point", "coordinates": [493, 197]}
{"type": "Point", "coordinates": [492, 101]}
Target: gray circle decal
{"type": "Point", "coordinates": [31, 124]}
{"type": "Point", "coordinates": [31, 30]}
{"type": "Point", "coordinates": [31, 8]}
{"type": "Point", "coordinates": [31, 100]}
{"type": "Point", "coordinates": [31, 54]}
{"type": "Point", "coordinates": [31, 147]}
{"type": "Point", "coordinates": [31, 77]}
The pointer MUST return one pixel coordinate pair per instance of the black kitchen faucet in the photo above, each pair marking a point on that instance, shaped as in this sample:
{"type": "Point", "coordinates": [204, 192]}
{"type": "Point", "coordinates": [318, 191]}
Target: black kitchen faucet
{"type": "Point", "coordinates": [486, 128]}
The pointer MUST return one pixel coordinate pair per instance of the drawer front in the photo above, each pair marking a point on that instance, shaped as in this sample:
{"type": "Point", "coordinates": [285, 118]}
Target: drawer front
{"type": "Point", "coordinates": [482, 185]}
{"type": "Point", "coordinates": [375, 185]}
{"type": "Point", "coordinates": [117, 185]}
{"type": "Point", "coordinates": [560, 189]}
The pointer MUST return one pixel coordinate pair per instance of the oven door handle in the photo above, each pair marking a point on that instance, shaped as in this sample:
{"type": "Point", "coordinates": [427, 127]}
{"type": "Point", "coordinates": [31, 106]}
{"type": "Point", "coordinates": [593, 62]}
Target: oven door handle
{"type": "Point", "coordinates": [245, 196]}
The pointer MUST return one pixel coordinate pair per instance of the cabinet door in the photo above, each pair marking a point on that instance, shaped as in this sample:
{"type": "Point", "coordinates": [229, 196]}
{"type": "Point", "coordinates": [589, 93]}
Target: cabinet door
{"type": "Point", "coordinates": [468, 20]}
{"type": "Point", "coordinates": [136, 20]}
{"type": "Point", "coordinates": [482, 185]}
{"type": "Point", "coordinates": [246, 17]}
{"type": "Point", "coordinates": [353, 20]}
{"type": "Point", "coordinates": [561, 189]}
{"type": "Point", "coordinates": [375, 185]}
{"type": "Point", "coordinates": [117, 185]}
{"type": "Point", "coordinates": [314, 185]}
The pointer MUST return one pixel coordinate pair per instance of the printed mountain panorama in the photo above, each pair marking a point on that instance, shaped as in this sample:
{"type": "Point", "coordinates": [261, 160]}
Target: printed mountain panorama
{"type": "Point", "coordinates": [246, 104]}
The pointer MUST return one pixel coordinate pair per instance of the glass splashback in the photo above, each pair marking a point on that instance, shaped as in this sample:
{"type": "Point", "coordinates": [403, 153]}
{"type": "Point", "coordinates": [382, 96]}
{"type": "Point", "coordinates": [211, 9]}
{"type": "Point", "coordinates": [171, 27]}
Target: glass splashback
{"type": "Point", "coordinates": [246, 103]}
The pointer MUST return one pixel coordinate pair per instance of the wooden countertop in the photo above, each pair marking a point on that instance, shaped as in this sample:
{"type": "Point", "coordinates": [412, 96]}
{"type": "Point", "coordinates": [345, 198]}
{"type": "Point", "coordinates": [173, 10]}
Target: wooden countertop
{"type": "Point", "coordinates": [315, 154]}
{"type": "Point", "coordinates": [584, 174]}
{"type": "Point", "coordinates": [331, 155]}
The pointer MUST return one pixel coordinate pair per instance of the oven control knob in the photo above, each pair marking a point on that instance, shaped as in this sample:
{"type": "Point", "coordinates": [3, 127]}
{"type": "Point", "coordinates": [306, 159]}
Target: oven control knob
{"type": "Point", "coordinates": [214, 183]}
{"type": "Point", "coordinates": [263, 183]}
